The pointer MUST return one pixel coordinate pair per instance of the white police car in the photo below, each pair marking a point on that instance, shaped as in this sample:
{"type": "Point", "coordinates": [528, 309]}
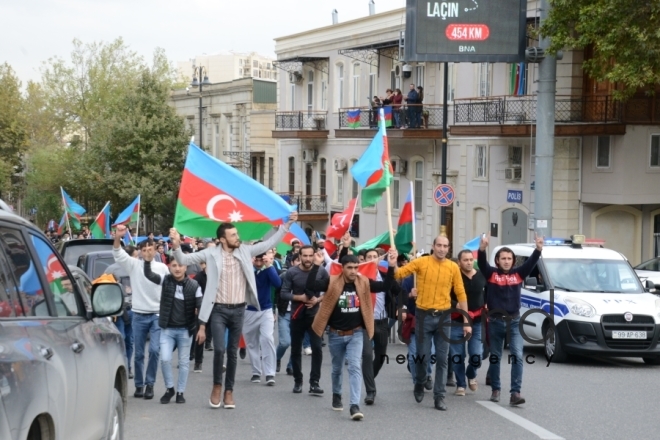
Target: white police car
{"type": "Point", "coordinates": [600, 306]}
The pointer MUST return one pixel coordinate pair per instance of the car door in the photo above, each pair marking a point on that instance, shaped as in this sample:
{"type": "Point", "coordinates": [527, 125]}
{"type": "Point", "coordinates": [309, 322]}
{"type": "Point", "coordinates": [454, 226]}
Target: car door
{"type": "Point", "coordinates": [47, 336]}
{"type": "Point", "coordinates": [86, 343]}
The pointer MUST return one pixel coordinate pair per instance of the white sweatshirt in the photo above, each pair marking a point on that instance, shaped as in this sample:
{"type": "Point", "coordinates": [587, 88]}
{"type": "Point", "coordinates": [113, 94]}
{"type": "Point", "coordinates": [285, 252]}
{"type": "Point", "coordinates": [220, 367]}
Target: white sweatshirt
{"type": "Point", "coordinates": [146, 295]}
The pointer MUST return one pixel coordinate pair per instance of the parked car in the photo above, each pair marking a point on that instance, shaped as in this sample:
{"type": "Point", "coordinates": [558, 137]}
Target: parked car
{"type": "Point", "coordinates": [650, 270]}
{"type": "Point", "coordinates": [94, 264]}
{"type": "Point", "coordinates": [72, 250]}
{"type": "Point", "coordinates": [63, 372]}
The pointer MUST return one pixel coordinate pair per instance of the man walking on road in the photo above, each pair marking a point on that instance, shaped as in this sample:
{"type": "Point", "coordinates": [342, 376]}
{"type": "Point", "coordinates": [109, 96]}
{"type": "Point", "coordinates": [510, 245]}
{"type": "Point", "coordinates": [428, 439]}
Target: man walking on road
{"type": "Point", "coordinates": [146, 306]}
{"type": "Point", "coordinates": [230, 286]}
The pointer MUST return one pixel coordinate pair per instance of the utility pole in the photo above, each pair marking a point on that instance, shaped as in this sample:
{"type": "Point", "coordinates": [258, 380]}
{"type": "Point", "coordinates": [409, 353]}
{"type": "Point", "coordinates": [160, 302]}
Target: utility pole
{"type": "Point", "coordinates": [445, 115]}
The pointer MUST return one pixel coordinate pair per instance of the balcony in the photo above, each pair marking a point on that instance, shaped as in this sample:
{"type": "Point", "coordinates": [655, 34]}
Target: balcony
{"type": "Point", "coordinates": [300, 125]}
{"type": "Point", "coordinates": [365, 123]}
{"type": "Point", "coordinates": [516, 116]}
{"type": "Point", "coordinates": [642, 110]}
{"type": "Point", "coordinates": [310, 207]}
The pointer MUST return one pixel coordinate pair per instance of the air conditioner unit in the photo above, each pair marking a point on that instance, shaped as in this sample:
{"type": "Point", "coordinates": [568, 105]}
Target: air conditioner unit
{"type": "Point", "coordinates": [309, 155]}
{"type": "Point", "coordinates": [512, 173]}
{"type": "Point", "coordinates": [340, 164]}
{"type": "Point", "coordinates": [400, 167]}
{"type": "Point", "coordinates": [397, 70]}
{"type": "Point", "coordinates": [295, 77]}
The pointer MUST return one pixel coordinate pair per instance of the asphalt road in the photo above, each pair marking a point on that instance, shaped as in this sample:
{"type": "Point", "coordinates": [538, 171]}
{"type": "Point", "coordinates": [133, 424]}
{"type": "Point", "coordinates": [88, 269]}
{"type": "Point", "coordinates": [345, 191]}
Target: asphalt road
{"type": "Point", "coordinates": [584, 399]}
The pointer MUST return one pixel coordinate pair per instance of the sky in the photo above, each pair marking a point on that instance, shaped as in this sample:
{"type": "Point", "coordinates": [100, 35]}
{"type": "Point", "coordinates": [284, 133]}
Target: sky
{"type": "Point", "coordinates": [33, 31]}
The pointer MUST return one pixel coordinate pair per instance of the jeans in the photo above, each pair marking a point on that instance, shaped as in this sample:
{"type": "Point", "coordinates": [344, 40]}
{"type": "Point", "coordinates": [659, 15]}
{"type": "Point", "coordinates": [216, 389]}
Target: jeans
{"type": "Point", "coordinates": [414, 361]}
{"type": "Point", "coordinates": [457, 352]}
{"type": "Point", "coordinates": [397, 116]}
{"type": "Point", "coordinates": [427, 332]}
{"type": "Point", "coordinates": [197, 350]}
{"type": "Point", "coordinates": [299, 327]}
{"type": "Point", "coordinates": [497, 330]}
{"type": "Point", "coordinates": [144, 324]}
{"type": "Point", "coordinates": [223, 319]}
{"type": "Point", "coordinates": [284, 336]}
{"type": "Point", "coordinates": [126, 331]}
{"type": "Point", "coordinates": [350, 347]}
{"type": "Point", "coordinates": [258, 335]}
{"type": "Point", "coordinates": [171, 338]}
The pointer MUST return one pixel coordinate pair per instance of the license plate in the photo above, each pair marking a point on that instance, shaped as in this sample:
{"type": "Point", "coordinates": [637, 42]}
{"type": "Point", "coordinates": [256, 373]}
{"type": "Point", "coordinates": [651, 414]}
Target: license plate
{"type": "Point", "coordinates": [628, 335]}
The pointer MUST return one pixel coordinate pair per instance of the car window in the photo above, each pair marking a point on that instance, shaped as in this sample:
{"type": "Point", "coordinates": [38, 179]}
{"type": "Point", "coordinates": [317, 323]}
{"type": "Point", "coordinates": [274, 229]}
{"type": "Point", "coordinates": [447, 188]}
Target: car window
{"type": "Point", "coordinates": [652, 265]}
{"type": "Point", "coordinates": [100, 265]}
{"type": "Point", "coordinates": [62, 287]}
{"type": "Point", "coordinates": [31, 291]}
{"type": "Point", "coordinates": [8, 303]}
{"type": "Point", "coordinates": [592, 275]}
{"type": "Point", "coordinates": [86, 287]}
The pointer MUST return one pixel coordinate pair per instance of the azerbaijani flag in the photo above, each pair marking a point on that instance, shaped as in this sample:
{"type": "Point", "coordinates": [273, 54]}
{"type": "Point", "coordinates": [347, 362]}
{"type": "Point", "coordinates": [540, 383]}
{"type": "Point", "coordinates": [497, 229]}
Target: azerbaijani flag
{"type": "Point", "coordinates": [353, 118]}
{"type": "Point", "coordinates": [74, 210]}
{"type": "Point", "coordinates": [295, 233]}
{"type": "Point", "coordinates": [405, 232]}
{"type": "Point", "coordinates": [382, 241]}
{"type": "Point", "coordinates": [130, 214]}
{"type": "Point", "coordinates": [128, 239]}
{"type": "Point", "coordinates": [473, 245]}
{"type": "Point", "coordinates": [213, 192]}
{"type": "Point", "coordinates": [373, 171]}
{"type": "Point", "coordinates": [101, 226]}
{"type": "Point", "coordinates": [388, 115]}
{"type": "Point", "coordinates": [60, 227]}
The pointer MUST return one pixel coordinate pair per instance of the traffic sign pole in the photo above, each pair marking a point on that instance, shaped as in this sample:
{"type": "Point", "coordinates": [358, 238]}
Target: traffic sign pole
{"type": "Point", "coordinates": [445, 88]}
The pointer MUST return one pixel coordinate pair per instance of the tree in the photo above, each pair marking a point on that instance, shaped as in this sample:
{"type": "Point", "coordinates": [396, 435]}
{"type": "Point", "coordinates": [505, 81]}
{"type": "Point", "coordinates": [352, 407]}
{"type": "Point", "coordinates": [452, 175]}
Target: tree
{"type": "Point", "coordinates": [13, 130]}
{"type": "Point", "coordinates": [624, 35]}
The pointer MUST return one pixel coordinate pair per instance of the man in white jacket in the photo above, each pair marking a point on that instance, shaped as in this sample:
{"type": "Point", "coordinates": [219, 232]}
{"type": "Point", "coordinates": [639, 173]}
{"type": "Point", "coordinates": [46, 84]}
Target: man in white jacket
{"type": "Point", "coordinates": [146, 306]}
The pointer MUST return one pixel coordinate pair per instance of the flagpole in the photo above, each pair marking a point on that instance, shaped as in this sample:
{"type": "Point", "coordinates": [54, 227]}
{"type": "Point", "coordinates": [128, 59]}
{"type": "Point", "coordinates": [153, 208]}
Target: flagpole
{"type": "Point", "coordinates": [66, 211]}
{"type": "Point", "coordinates": [137, 228]}
{"type": "Point", "coordinates": [414, 243]}
{"type": "Point", "coordinates": [387, 189]}
{"type": "Point", "coordinates": [99, 214]}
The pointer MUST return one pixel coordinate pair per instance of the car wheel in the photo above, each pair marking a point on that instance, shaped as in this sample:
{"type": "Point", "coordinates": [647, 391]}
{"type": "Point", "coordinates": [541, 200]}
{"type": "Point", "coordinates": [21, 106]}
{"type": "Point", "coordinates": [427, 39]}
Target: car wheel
{"type": "Point", "coordinates": [652, 361]}
{"type": "Point", "coordinates": [553, 348]}
{"type": "Point", "coordinates": [116, 423]}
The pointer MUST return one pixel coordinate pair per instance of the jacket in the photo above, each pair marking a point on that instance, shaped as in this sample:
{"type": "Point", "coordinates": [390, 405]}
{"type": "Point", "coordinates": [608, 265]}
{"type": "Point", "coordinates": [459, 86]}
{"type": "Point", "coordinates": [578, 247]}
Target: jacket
{"type": "Point", "coordinates": [266, 279]}
{"type": "Point", "coordinates": [146, 295]}
{"type": "Point", "coordinates": [213, 258]}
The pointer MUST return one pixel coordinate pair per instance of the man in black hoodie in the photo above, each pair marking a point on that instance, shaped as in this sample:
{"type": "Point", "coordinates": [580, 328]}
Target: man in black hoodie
{"type": "Point", "coordinates": [503, 301]}
{"type": "Point", "coordinates": [181, 298]}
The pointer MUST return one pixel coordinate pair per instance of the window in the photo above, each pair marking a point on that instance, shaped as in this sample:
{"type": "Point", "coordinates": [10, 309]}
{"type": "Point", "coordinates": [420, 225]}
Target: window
{"type": "Point", "coordinates": [373, 85]}
{"type": "Point", "coordinates": [392, 80]}
{"type": "Point", "coordinates": [655, 150]}
{"type": "Point", "coordinates": [355, 187]}
{"type": "Point", "coordinates": [292, 96]}
{"type": "Point", "coordinates": [515, 156]}
{"type": "Point", "coordinates": [340, 86]}
{"type": "Point", "coordinates": [451, 79]}
{"type": "Point", "coordinates": [603, 152]}
{"type": "Point", "coordinates": [246, 145]}
{"type": "Point", "coordinates": [230, 135]}
{"type": "Point", "coordinates": [396, 196]}
{"type": "Point", "coordinates": [9, 302]}
{"type": "Point", "coordinates": [419, 185]}
{"type": "Point", "coordinates": [356, 85]}
{"type": "Point", "coordinates": [324, 94]}
{"type": "Point", "coordinates": [419, 75]}
{"type": "Point", "coordinates": [322, 178]}
{"type": "Point", "coordinates": [481, 159]}
{"type": "Point", "coordinates": [271, 173]}
{"type": "Point", "coordinates": [484, 79]}
{"type": "Point", "coordinates": [216, 138]}
{"type": "Point", "coordinates": [255, 63]}
{"type": "Point", "coordinates": [339, 194]}
{"type": "Point", "coordinates": [308, 186]}
{"type": "Point", "coordinates": [240, 72]}
{"type": "Point", "coordinates": [292, 175]}
{"type": "Point", "coordinates": [310, 91]}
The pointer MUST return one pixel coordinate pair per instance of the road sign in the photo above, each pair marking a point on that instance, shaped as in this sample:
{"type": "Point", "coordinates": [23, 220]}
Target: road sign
{"type": "Point", "coordinates": [444, 195]}
{"type": "Point", "coordinates": [514, 196]}
{"type": "Point", "coordinates": [466, 31]}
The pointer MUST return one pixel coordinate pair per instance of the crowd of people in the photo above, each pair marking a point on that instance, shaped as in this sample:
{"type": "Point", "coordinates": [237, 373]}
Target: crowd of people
{"type": "Point", "coordinates": [238, 291]}
{"type": "Point", "coordinates": [410, 115]}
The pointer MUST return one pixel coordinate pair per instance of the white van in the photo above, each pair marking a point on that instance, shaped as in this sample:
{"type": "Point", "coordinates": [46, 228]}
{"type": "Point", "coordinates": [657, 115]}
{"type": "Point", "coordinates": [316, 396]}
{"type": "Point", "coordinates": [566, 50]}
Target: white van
{"type": "Point", "coordinates": [600, 306]}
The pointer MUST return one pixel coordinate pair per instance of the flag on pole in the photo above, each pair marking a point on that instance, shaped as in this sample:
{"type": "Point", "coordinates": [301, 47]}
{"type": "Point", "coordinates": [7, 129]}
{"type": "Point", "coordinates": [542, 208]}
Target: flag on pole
{"type": "Point", "coordinates": [473, 245]}
{"type": "Point", "coordinates": [130, 214]}
{"type": "Point", "coordinates": [373, 171]}
{"type": "Point", "coordinates": [382, 241]}
{"type": "Point", "coordinates": [213, 192]}
{"type": "Point", "coordinates": [62, 224]}
{"type": "Point", "coordinates": [100, 228]}
{"type": "Point", "coordinates": [74, 210]}
{"type": "Point", "coordinates": [353, 118]}
{"type": "Point", "coordinates": [128, 239]}
{"type": "Point", "coordinates": [295, 233]}
{"type": "Point", "coordinates": [341, 221]}
{"type": "Point", "coordinates": [405, 232]}
{"type": "Point", "coordinates": [387, 110]}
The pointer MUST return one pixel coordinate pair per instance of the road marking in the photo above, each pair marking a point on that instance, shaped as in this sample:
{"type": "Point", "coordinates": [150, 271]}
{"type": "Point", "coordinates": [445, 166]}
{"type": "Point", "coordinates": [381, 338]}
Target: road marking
{"type": "Point", "coordinates": [520, 421]}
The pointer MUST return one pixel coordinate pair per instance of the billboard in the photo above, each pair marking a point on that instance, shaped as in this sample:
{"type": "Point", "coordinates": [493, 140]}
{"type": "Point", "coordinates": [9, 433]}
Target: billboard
{"type": "Point", "coordinates": [466, 31]}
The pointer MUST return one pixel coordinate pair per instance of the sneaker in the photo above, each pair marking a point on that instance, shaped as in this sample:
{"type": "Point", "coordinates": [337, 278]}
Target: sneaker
{"type": "Point", "coordinates": [419, 393]}
{"type": "Point", "coordinates": [139, 392]}
{"type": "Point", "coordinates": [315, 389]}
{"type": "Point", "coordinates": [450, 382]}
{"type": "Point", "coordinates": [495, 396]}
{"type": "Point", "coordinates": [307, 351]}
{"type": "Point", "coordinates": [487, 380]}
{"type": "Point", "coordinates": [149, 392]}
{"type": "Point", "coordinates": [297, 387]}
{"type": "Point", "coordinates": [356, 414]}
{"type": "Point", "coordinates": [336, 402]}
{"type": "Point", "coordinates": [241, 353]}
{"type": "Point", "coordinates": [460, 391]}
{"type": "Point", "coordinates": [208, 346]}
{"type": "Point", "coordinates": [277, 369]}
{"type": "Point", "coordinates": [473, 384]}
{"type": "Point", "coordinates": [169, 393]}
{"type": "Point", "coordinates": [179, 398]}
{"type": "Point", "coordinates": [130, 374]}
{"type": "Point", "coordinates": [270, 380]}
{"type": "Point", "coordinates": [198, 367]}
{"type": "Point", "coordinates": [516, 399]}
{"type": "Point", "coordinates": [371, 397]}
{"type": "Point", "coordinates": [289, 371]}
{"type": "Point", "coordinates": [255, 379]}
{"type": "Point", "coordinates": [439, 404]}
{"type": "Point", "coordinates": [429, 383]}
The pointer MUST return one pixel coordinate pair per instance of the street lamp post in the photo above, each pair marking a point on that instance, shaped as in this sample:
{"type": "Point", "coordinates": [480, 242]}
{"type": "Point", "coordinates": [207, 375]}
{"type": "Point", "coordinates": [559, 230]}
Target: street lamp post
{"type": "Point", "coordinates": [200, 78]}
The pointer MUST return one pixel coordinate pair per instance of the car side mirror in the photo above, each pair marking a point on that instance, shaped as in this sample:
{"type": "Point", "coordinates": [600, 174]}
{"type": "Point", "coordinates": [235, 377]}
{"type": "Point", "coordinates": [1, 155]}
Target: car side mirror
{"type": "Point", "coordinates": [650, 286]}
{"type": "Point", "coordinates": [107, 299]}
{"type": "Point", "coordinates": [531, 283]}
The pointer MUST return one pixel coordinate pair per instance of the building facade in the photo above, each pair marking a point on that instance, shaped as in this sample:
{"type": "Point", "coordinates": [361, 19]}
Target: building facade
{"type": "Point", "coordinates": [228, 66]}
{"type": "Point", "coordinates": [606, 163]}
{"type": "Point", "coordinates": [237, 122]}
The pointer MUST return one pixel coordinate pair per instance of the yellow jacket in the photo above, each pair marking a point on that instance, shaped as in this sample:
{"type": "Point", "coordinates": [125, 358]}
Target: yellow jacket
{"type": "Point", "coordinates": [435, 280]}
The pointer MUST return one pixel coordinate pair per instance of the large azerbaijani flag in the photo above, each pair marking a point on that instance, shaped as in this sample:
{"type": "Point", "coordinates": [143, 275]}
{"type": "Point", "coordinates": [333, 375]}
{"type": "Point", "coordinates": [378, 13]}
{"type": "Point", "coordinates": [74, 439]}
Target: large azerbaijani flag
{"type": "Point", "coordinates": [473, 245]}
{"type": "Point", "coordinates": [405, 232]}
{"type": "Point", "coordinates": [213, 192]}
{"type": "Point", "coordinates": [382, 241]}
{"type": "Point", "coordinates": [101, 226]}
{"type": "Point", "coordinates": [373, 171]}
{"type": "Point", "coordinates": [130, 214]}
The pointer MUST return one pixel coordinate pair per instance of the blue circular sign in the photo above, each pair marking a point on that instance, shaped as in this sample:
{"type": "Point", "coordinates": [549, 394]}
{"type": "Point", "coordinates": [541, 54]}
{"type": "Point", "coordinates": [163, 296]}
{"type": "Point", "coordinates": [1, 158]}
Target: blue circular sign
{"type": "Point", "coordinates": [444, 195]}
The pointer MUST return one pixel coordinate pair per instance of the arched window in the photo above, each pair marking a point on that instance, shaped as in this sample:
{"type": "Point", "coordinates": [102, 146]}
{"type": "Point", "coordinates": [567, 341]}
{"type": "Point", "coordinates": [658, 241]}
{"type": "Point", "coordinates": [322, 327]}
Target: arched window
{"type": "Point", "coordinates": [310, 90]}
{"type": "Point", "coordinates": [356, 85]}
{"type": "Point", "coordinates": [323, 178]}
{"type": "Point", "coordinates": [340, 86]}
{"type": "Point", "coordinates": [418, 171]}
{"type": "Point", "coordinates": [292, 175]}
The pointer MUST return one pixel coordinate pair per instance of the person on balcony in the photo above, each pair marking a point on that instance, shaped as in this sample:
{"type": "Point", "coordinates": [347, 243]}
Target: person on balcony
{"type": "Point", "coordinates": [412, 101]}
{"type": "Point", "coordinates": [420, 109]}
{"type": "Point", "coordinates": [397, 99]}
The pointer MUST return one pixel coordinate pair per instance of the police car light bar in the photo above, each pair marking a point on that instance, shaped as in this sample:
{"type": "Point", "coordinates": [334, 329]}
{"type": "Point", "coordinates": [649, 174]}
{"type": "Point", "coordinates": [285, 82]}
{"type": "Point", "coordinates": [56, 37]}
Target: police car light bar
{"type": "Point", "coordinates": [556, 241]}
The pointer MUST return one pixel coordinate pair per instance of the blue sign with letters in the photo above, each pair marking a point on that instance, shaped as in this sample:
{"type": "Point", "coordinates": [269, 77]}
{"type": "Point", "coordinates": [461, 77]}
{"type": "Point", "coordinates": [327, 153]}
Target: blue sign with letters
{"type": "Point", "coordinates": [514, 196]}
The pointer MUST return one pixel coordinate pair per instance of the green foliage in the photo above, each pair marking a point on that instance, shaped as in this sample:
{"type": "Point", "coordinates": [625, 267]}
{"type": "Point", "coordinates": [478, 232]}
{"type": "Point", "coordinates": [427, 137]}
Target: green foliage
{"type": "Point", "coordinates": [624, 34]}
{"type": "Point", "coordinates": [13, 130]}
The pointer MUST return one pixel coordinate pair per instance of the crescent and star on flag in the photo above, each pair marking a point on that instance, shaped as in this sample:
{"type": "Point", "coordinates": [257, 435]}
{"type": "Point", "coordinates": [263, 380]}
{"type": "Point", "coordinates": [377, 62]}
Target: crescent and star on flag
{"type": "Point", "coordinates": [234, 216]}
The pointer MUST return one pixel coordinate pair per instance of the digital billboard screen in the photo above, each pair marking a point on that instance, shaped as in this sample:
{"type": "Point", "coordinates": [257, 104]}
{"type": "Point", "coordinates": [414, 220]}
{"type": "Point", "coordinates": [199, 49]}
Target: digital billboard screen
{"type": "Point", "coordinates": [465, 30]}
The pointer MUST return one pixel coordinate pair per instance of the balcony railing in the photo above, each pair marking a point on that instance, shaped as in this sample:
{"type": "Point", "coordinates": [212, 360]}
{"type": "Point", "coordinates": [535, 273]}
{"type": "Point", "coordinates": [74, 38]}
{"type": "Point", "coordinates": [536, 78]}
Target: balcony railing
{"type": "Point", "coordinates": [307, 203]}
{"type": "Point", "coordinates": [522, 110]}
{"type": "Point", "coordinates": [408, 116]}
{"type": "Point", "coordinates": [642, 110]}
{"type": "Point", "coordinates": [300, 120]}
